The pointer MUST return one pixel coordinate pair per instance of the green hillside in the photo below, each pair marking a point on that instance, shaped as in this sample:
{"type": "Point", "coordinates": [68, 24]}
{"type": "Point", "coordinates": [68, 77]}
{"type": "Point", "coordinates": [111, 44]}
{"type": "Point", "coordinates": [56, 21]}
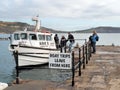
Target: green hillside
{"type": "Point", "coordinates": [10, 27]}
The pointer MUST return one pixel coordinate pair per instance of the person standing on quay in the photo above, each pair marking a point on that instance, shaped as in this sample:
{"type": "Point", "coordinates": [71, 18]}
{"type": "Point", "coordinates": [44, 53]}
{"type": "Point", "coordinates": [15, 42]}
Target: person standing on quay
{"type": "Point", "coordinates": [71, 40]}
{"type": "Point", "coordinates": [93, 39]}
{"type": "Point", "coordinates": [63, 44]}
{"type": "Point", "coordinates": [56, 41]}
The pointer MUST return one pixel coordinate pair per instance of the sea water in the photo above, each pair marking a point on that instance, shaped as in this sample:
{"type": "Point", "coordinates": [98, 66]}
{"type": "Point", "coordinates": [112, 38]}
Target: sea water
{"type": "Point", "coordinates": [7, 64]}
{"type": "Point", "coordinates": [104, 38]}
{"type": "Point", "coordinates": [8, 71]}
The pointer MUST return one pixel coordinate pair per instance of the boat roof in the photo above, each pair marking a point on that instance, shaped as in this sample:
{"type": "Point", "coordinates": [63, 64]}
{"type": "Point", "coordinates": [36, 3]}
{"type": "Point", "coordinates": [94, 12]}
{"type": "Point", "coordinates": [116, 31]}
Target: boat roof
{"type": "Point", "coordinates": [33, 32]}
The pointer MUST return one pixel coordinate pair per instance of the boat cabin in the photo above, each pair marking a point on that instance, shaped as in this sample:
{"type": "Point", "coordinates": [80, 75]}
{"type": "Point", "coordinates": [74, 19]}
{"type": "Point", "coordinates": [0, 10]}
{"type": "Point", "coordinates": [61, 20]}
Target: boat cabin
{"type": "Point", "coordinates": [33, 39]}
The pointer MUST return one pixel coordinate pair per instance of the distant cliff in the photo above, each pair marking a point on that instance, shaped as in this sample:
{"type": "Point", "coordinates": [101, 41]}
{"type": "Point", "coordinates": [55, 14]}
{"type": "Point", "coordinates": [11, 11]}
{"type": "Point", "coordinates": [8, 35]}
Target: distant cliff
{"type": "Point", "coordinates": [10, 27]}
{"type": "Point", "coordinates": [101, 30]}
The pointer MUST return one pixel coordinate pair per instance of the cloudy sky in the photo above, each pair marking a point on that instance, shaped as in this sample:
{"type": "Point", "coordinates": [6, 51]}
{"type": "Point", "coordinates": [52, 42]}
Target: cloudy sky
{"type": "Point", "coordinates": [63, 14]}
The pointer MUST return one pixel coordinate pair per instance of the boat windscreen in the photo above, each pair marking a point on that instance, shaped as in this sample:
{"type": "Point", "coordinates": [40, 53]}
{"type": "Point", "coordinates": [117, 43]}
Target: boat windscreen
{"type": "Point", "coordinates": [16, 36]}
{"type": "Point", "coordinates": [24, 36]}
{"type": "Point", "coordinates": [32, 37]}
{"type": "Point", "coordinates": [48, 37]}
{"type": "Point", "coordinates": [41, 37]}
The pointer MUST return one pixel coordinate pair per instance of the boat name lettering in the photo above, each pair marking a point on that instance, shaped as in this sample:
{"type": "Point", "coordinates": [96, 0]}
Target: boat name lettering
{"type": "Point", "coordinates": [44, 43]}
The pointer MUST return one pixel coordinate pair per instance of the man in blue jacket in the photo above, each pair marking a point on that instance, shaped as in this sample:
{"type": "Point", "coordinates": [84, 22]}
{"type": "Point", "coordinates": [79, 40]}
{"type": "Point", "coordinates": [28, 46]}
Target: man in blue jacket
{"type": "Point", "coordinates": [93, 40]}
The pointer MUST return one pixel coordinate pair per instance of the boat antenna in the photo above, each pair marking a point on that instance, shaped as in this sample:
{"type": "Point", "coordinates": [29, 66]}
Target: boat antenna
{"type": "Point", "coordinates": [36, 19]}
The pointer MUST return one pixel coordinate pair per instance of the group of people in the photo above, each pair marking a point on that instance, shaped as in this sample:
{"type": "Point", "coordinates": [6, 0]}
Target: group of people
{"type": "Point", "coordinates": [63, 42]}
{"type": "Point", "coordinates": [92, 39]}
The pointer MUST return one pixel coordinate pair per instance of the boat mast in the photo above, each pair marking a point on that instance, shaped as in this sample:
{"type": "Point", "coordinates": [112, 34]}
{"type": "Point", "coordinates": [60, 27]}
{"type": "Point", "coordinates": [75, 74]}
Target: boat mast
{"type": "Point", "coordinates": [37, 26]}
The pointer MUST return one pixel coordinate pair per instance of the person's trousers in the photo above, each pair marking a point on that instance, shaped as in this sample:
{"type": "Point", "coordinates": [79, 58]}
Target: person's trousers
{"type": "Point", "coordinates": [63, 49]}
{"type": "Point", "coordinates": [93, 47]}
{"type": "Point", "coordinates": [70, 46]}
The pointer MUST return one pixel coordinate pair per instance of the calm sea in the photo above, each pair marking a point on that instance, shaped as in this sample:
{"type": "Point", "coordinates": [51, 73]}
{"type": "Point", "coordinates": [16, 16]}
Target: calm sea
{"type": "Point", "coordinates": [104, 38]}
{"type": "Point", "coordinates": [7, 64]}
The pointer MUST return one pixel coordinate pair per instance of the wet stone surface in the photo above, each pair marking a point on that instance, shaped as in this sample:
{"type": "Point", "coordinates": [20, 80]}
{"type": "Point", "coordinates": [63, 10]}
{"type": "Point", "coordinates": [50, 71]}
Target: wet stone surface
{"type": "Point", "coordinates": [102, 69]}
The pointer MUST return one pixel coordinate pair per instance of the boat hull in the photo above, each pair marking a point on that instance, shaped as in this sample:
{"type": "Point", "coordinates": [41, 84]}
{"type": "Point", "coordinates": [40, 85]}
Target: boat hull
{"type": "Point", "coordinates": [31, 60]}
{"type": "Point", "coordinates": [31, 56]}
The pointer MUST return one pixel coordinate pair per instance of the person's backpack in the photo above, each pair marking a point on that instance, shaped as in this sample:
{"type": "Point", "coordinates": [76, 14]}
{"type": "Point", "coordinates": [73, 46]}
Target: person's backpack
{"type": "Point", "coordinates": [90, 38]}
{"type": "Point", "coordinates": [97, 38]}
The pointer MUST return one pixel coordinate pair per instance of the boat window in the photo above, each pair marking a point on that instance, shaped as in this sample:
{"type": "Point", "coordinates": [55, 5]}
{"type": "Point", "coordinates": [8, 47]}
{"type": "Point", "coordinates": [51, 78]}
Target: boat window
{"type": "Point", "coordinates": [41, 37]}
{"type": "Point", "coordinates": [16, 36]}
{"type": "Point", "coordinates": [48, 37]}
{"type": "Point", "coordinates": [32, 37]}
{"type": "Point", "coordinates": [23, 36]}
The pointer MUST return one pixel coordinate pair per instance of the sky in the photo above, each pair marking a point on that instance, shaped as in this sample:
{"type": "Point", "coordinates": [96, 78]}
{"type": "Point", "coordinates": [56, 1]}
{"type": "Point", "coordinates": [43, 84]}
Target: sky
{"type": "Point", "coordinates": [63, 15]}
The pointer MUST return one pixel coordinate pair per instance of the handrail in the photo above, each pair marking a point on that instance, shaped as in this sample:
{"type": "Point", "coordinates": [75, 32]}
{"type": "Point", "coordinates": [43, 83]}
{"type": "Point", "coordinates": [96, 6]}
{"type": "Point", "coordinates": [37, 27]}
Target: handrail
{"type": "Point", "coordinates": [84, 57]}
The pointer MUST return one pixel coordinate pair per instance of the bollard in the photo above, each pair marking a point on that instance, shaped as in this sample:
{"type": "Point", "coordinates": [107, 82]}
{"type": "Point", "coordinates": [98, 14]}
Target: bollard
{"type": "Point", "coordinates": [79, 61]}
{"type": "Point", "coordinates": [73, 70]}
{"type": "Point", "coordinates": [17, 66]}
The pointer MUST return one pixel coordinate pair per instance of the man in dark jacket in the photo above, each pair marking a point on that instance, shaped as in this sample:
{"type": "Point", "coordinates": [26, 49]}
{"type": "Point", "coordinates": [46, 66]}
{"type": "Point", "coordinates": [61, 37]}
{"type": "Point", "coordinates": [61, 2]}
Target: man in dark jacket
{"type": "Point", "coordinates": [63, 44]}
{"type": "Point", "coordinates": [56, 41]}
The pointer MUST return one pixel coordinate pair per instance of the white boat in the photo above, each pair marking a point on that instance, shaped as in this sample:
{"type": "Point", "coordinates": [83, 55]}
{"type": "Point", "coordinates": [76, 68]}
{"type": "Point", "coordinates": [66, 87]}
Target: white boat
{"type": "Point", "coordinates": [33, 46]}
{"type": "Point", "coordinates": [3, 85]}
